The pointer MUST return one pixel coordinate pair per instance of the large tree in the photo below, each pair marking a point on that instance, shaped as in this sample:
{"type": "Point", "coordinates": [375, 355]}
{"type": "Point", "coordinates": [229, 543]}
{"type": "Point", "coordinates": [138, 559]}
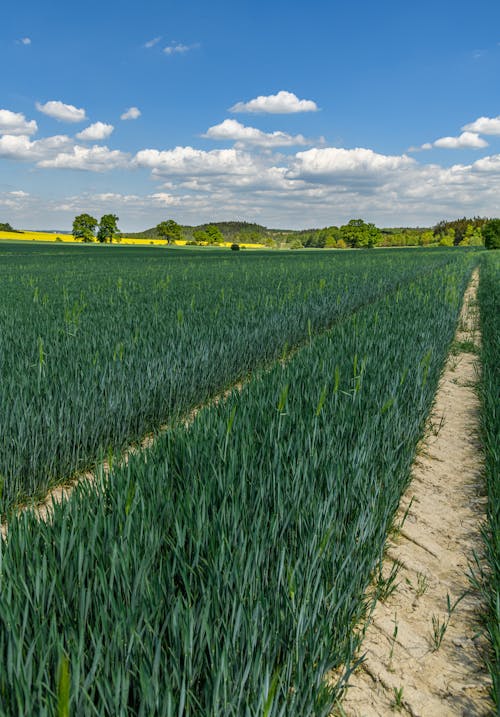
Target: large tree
{"type": "Point", "coordinates": [491, 234]}
{"type": "Point", "coordinates": [215, 236]}
{"type": "Point", "coordinates": [169, 230]}
{"type": "Point", "coordinates": [84, 227]}
{"type": "Point", "coordinates": [358, 233]}
{"type": "Point", "coordinates": [107, 228]}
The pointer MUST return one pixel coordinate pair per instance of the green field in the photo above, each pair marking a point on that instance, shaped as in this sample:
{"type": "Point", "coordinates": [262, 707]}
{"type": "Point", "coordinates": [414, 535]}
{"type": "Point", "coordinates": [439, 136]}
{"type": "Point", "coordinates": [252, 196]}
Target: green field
{"type": "Point", "coordinates": [101, 345]}
{"type": "Point", "coordinates": [489, 581]}
{"type": "Point", "coordinates": [224, 570]}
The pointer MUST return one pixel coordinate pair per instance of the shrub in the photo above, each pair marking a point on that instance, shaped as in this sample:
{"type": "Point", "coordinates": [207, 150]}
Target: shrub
{"type": "Point", "coordinates": [491, 234]}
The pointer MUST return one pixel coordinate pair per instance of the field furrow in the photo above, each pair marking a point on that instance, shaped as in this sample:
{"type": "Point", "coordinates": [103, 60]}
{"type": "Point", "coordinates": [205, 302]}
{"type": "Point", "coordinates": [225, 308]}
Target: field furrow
{"type": "Point", "coordinates": [424, 654]}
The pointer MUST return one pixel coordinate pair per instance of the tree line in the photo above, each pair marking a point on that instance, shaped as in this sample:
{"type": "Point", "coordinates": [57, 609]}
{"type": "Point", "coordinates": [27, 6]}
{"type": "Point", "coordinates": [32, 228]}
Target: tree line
{"type": "Point", "coordinates": [476, 231]}
{"type": "Point", "coordinates": [88, 229]}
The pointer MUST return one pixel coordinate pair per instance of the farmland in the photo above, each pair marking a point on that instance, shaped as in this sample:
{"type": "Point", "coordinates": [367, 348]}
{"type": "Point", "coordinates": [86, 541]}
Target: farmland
{"type": "Point", "coordinates": [223, 570]}
{"type": "Point", "coordinates": [61, 237]}
{"type": "Point", "coordinates": [98, 349]}
{"type": "Point", "coordinates": [489, 580]}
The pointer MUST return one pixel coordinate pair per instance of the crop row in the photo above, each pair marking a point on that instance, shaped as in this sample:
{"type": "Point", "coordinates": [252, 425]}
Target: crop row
{"type": "Point", "coordinates": [489, 301]}
{"type": "Point", "coordinates": [223, 572]}
{"type": "Point", "coordinates": [99, 345]}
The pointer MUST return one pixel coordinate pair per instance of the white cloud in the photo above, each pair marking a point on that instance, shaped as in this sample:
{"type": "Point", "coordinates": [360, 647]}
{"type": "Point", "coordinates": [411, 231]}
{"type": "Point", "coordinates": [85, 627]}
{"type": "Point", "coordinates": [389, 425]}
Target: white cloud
{"type": "Point", "coordinates": [333, 164]}
{"type": "Point", "coordinates": [465, 140]}
{"type": "Point", "coordinates": [153, 42]}
{"type": "Point", "coordinates": [92, 159]}
{"type": "Point", "coordinates": [425, 146]}
{"type": "Point", "coordinates": [96, 132]}
{"type": "Point", "coordinates": [25, 40]}
{"type": "Point", "coordinates": [282, 103]}
{"type": "Point", "coordinates": [186, 160]}
{"type": "Point", "coordinates": [484, 125]}
{"type": "Point", "coordinates": [391, 191]}
{"type": "Point", "coordinates": [62, 112]}
{"type": "Point", "coordinates": [235, 131]}
{"type": "Point", "coordinates": [22, 148]}
{"type": "Point", "coordinates": [165, 199]}
{"type": "Point", "coordinates": [488, 164]}
{"type": "Point", "coordinates": [19, 193]}
{"type": "Point", "coordinates": [131, 114]}
{"type": "Point", "coordinates": [115, 197]}
{"type": "Point", "coordinates": [134, 203]}
{"type": "Point", "coordinates": [15, 123]}
{"type": "Point", "coordinates": [178, 48]}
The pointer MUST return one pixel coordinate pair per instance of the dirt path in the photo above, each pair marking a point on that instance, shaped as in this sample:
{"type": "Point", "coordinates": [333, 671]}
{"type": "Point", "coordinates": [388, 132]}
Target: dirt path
{"type": "Point", "coordinates": [417, 662]}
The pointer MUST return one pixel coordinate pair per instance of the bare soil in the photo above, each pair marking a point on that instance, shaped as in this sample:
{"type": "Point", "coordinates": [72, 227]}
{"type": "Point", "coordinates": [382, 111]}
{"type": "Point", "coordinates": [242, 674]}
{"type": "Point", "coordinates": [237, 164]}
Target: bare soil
{"type": "Point", "coordinates": [421, 660]}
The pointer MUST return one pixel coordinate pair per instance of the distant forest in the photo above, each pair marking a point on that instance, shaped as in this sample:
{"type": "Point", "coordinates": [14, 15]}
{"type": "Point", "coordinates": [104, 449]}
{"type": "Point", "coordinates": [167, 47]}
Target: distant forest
{"type": "Point", "coordinates": [356, 233]}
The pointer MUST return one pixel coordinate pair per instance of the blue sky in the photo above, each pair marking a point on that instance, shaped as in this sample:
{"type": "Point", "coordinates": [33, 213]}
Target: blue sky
{"type": "Point", "coordinates": [285, 113]}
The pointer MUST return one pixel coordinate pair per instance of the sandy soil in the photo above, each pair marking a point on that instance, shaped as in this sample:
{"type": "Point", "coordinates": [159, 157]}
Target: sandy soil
{"type": "Point", "coordinates": [407, 668]}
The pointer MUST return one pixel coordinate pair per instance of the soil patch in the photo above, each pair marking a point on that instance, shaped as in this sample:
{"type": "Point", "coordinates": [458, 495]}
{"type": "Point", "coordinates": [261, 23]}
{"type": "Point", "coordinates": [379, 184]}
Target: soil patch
{"type": "Point", "coordinates": [424, 651]}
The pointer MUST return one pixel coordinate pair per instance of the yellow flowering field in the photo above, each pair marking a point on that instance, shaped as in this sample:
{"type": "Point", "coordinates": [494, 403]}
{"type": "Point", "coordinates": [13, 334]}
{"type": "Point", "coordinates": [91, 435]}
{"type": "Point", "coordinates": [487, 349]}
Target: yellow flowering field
{"type": "Point", "coordinates": [53, 236]}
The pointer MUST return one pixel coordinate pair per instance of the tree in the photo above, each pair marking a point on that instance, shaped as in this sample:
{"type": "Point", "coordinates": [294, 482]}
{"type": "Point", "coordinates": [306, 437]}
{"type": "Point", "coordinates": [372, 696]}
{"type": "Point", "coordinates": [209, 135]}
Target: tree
{"type": "Point", "coordinates": [107, 228]}
{"type": "Point", "coordinates": [491, 234]}
{"type": "Point", "coordinates": [357, 233]}
{"type": "Point", "coordinates": [215, 236]}
{"type": "Point", "coordinates": [200, 236]}
{"type": "Point", "coordinates": [460, 227]}
{"type": "Point", "coordinates": [426, 238]}
{"type": "Point", "coordinates": [84, 227]}
{"type": "Point", "coordinates": [169, 230]}
{"type": "Point", "coordinates": [448, 238]}
{"type": "Point", "coordinates": [473, 237]}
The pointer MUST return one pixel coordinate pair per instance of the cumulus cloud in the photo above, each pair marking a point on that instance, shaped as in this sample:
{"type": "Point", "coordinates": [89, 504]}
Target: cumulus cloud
{"type": "Point", "coordinates": [391, 191]}
{"type": "Point", "coordinates": [467, 140]}
{"type": "Point", "coordinates": [489, 164]}
{"type": "Point", "coordinates": [178, 48]}
{"type": "Point", "coordinates": [330, 164]}
{"type": "Point", "coordinates": [92, 159]}
{"type": "Point", "coordinates": [22, 148]}
{"type": "Point", "coordinates": [25, 41]}
{"type": "Point", "coordinates": [153, 42]}
{"type": "Point", "coordinates": [136, 204]}
{"type": "Point", "coordinates": [15, 123]}
{"type": "Point", "coordinates": [131, 114]}
{"type": "Point", "coordinates": [235, 131]}
{"type": "Point", "coordinates": [190, 161]}
{"type": "Point", "coordinates": [61, 112]}
{"type": "Point", "coordinates": [96, 132]}
{"type": "Point", "coordinates": [165, 199]}
{"type": "Point", "coordinates": [282, 103]}
{"type": "Point", "coordinates": [484, 125]}
{"type": "Point", "coordinates": [425, 146]}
